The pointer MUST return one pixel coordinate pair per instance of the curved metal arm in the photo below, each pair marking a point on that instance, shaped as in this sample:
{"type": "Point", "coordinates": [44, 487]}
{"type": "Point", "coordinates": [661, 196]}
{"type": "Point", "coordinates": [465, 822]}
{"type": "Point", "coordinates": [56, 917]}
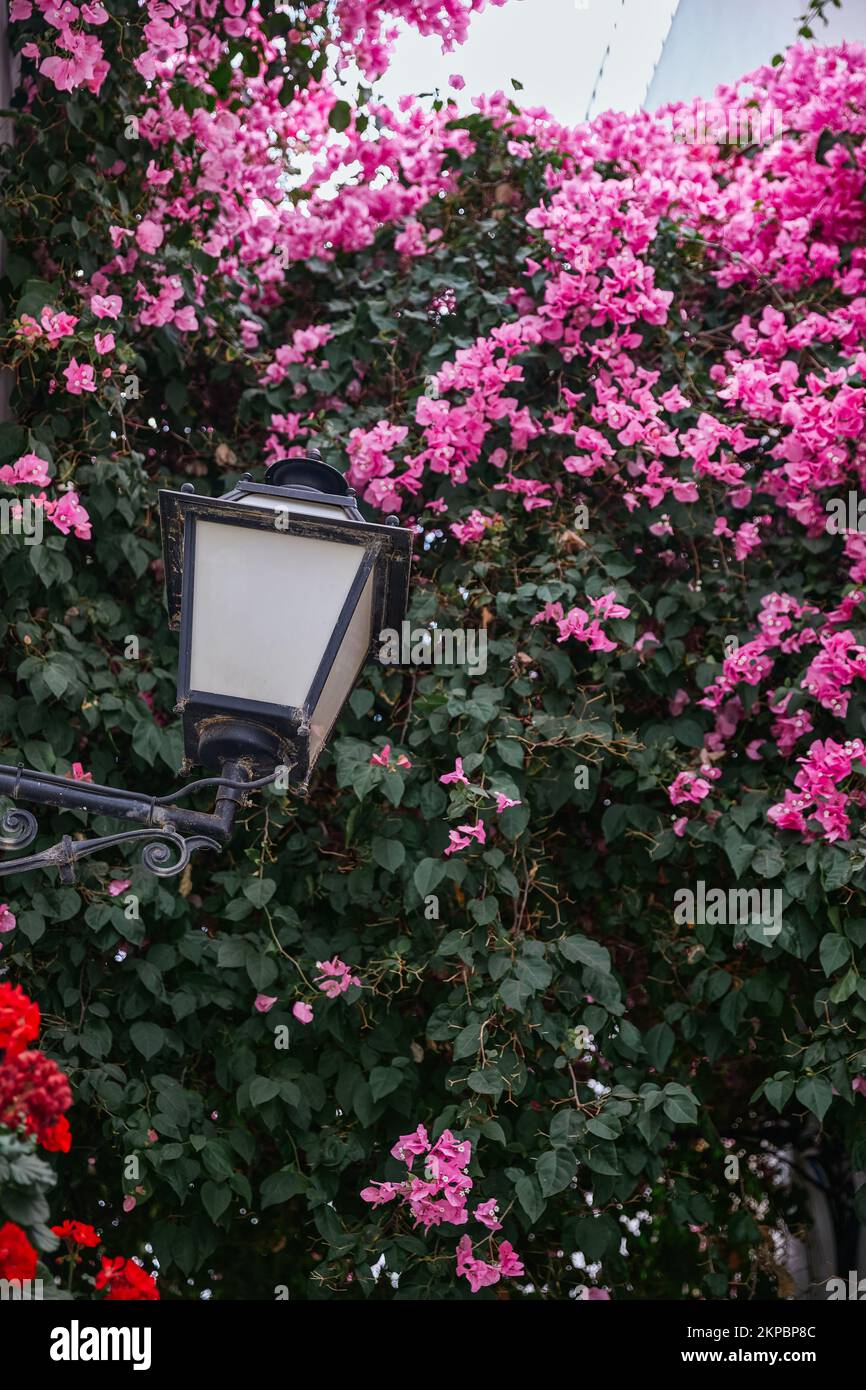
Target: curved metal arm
{"type": "Point", "coordinates": [156, 857]}
{"type": "Point", "coordinates": [170, 827]}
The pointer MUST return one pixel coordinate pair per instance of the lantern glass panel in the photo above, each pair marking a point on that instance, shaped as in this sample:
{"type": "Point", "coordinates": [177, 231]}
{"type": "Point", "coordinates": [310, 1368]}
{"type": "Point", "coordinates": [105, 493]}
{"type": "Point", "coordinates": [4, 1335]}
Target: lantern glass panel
{"type": "Point", "coordinates": [354, 650]}
{"type": "Point", "coordinates": [265, 605]}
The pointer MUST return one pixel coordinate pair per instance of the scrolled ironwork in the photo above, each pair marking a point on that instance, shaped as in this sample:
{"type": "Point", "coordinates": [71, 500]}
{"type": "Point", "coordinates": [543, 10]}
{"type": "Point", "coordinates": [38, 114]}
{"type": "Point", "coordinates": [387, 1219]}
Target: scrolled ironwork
{"type": "Point", "coordinates": [17, 828]}
{"type": "Point", "coordinates": [156, 857]}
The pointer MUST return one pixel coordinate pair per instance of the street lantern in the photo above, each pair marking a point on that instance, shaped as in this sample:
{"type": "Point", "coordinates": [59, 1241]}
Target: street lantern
{"type": "Point", "coordinates": [278, 591]}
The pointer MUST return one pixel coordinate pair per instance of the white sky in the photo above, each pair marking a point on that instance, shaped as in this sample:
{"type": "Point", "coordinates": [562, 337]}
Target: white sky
{"type": "Point", "coordinates": [554, 47]}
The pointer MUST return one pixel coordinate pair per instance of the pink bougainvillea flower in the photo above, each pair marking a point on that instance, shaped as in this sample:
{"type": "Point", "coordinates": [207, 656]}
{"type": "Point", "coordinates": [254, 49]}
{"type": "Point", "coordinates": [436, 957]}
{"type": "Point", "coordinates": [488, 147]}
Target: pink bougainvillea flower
{"type": "Point", "coordinates": [118, 886]}
{"type": "Point", "coordinates": [79, 377]}
{"type": "Point", "coordinates": [265, 1002]}
{"type": "Point", "coordinates": [463, 836]}
{"type": "Point", "coordinates": [486, 1214]}
{"type": "Point", "coordinates": [106, 306]}
{"type": "Point", "coordinates": [597, 1296]}
{"type": "Point", "coordinates": [458, 775]}
{"type": "Point", "coordinates": [67, 515]}
{"type": "Point", "coordinates": [480, 1274]}
{"type": "Point", "coordinates": [456, 81]}
{"type": "Point", "coordinates": [302, 1012]}
{"type": "Point", "coordinates": [383, 759]}
{"type": "Point", "coordinates": [378, 1193]}
{"type": "Point", "coordinates": [336, 977]}
{"type": "Point", "coordinates": [57, 325]}
{"type": "Point", "coordinates": [27, 468]}
{"type": "Point", "coordinates": [103, 342]}
{"type": "Point", "coordinates": [693, 786]}
{"type": "Point", "coordinates": [503, 802]}
{"type": "Point", "coordinates": [510, 1265]}
{"type": "Point", "coordinates": [475, 831]}
{"type": "Point", "coordinates": [28, 327]}
{"type": "Point", "coordinates": [129, 1203]}
{"type": "Point", "coordinates": [7, 918]}
{"type": "Point", "coordinates": [440, 1196]}
{"type": "Point", "coordinates": [411, 1145]}
{"type": "Point", "coordinates": [78, 774]}
{"type": "Point", "coordinates": [149, 235]}
{"type": "Point", "coordinates": [474, 527]}
{"type": "Point", "coordinates": [185, 320]}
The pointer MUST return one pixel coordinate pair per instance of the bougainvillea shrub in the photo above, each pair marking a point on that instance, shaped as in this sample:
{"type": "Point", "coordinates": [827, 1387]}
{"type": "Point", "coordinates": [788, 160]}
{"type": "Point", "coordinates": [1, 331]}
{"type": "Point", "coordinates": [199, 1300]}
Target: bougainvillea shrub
{"type": "Point", "coordinates": [560, 933]}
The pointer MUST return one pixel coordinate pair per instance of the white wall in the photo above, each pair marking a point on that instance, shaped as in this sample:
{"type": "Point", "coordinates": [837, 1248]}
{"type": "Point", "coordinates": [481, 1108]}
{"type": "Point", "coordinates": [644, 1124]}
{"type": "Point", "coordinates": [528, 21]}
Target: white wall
{"type": "Point", "coordinates": [714, 41]}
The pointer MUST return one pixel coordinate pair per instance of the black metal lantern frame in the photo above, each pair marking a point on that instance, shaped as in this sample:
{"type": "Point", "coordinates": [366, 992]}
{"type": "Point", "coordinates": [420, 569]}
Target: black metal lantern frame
{"type": "Point", "coordinates": [251, 742]}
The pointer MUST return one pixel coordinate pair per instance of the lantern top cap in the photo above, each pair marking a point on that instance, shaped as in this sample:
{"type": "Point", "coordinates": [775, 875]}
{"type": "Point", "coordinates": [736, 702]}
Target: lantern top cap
{"type": "Point", "coordinates": [308, 471]}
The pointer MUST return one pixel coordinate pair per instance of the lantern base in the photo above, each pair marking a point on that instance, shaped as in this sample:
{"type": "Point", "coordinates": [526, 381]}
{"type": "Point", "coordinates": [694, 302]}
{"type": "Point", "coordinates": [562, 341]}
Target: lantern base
{"type": "Point", "coordinates": [217, 739]}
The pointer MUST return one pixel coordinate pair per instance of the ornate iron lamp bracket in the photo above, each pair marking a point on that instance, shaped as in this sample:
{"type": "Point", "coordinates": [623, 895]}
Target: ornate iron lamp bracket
{"type": "Point", "coordinates": [173, 833]}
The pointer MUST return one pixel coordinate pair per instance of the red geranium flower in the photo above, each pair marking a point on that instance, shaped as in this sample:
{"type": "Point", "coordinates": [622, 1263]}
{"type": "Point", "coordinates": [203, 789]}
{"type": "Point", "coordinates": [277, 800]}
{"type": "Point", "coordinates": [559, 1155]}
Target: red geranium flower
{"type": "Point", "coordinates": [34, 1092]}
{"type": "Point", "coordinates": [57, 1138]}
{"type": "Point", "coordinates": [17, 1256]}
{"type": "Point", "coordinates": [77, 1233]}
{"type": "Point", "coordinates": [19, 1019]}
{"type": "Point", "coordinates": [125, 1280]}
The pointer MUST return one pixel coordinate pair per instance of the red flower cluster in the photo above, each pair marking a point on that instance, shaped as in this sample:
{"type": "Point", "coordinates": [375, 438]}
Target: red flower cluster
{"type": "Point", "coordinates": [17, 1256]}
{"type": "Point", "coordinates": [19, 1019]}
{"type": "Point", "coordinates": [34, 1092]}
{"type": "Point", "coordinates": [125, 1280]}
{"type": "Point", "coordinates": [77, 1233]}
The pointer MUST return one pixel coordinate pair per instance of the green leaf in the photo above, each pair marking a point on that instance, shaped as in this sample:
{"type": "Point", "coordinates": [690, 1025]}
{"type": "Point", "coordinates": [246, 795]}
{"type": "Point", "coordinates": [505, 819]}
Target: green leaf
{"type": "Point", "coordinates": [384, 1080]}
{"type": "Point", "coordinates": [816, 1093]}
{"type": "Point", "coordinates": [390, 854]}
{"type": "Point", "coordinates": [769, 862]}
{"type": "Point", "coordinates": [428, 874]}
{"type": "Point", "coordinates": [263, 1089]}
{"type": "Point", "coordinates": [55, 678]}
{"type": "Point", "coordinates": [555, 1170]}
{"type": "Point", "coordinates": [680, 1106]}
{"type": "Point", "coordinates": [259, 891]}
{"type": "Point", "coordinates": [510, 751]}
{"type": "Point", "coordinates": [614, 822]}
{"type": "Point", "coordinates": [340, 115]}
{"type": "Point", "coordinates": [280, 1187]}
{"type": "Point", "coordinates": [834, 951]}
{"type": "Point", "coordinates": [529, 1196]}
{"type": "Point", "coordinates": [585, 952]}
{"type": "Point", "coordinates": [779, 1090]}
{"type": "Point", "coordinates": [215, 1198]}
{"type": "Point", "coordinates": [844, 987]}
{"type": "Point", "coordinates": [659, 1044]}
{"type": "Point", "coordinates": [148, 1038]}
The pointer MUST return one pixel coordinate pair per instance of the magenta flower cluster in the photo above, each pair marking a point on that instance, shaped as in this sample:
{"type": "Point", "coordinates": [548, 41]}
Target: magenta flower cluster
{"type": "Point", "coordinates": [440, 1197]}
